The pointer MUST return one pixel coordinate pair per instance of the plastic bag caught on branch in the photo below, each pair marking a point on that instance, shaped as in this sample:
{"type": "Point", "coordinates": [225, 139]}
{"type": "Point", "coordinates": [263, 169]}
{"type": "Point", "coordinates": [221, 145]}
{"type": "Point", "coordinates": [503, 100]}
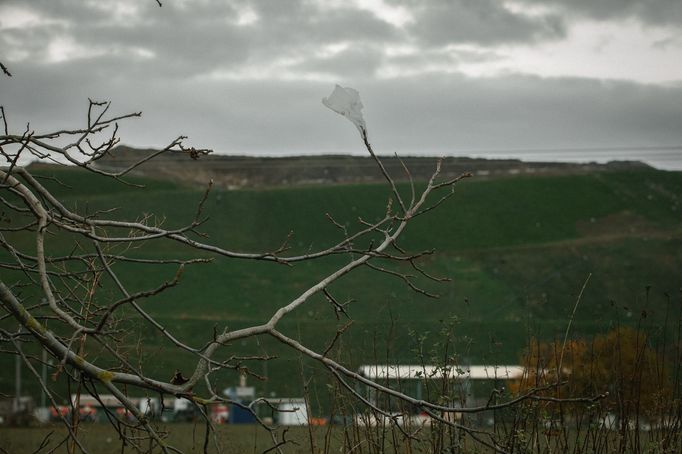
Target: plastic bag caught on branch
{"type": "Point", "coordinates": [346, 101]}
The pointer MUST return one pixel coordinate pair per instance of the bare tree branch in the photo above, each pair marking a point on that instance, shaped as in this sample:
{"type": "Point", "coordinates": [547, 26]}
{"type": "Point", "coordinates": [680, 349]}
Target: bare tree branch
{"type": "Point", "coordinates": [80, 314]}
{"type": "Point", "coordinates": [5, 70]}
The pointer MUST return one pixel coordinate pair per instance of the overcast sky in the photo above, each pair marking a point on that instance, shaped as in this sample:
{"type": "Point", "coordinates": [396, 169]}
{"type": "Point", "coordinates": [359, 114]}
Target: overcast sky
{"type": "Point", "coordinates": [455, 77]}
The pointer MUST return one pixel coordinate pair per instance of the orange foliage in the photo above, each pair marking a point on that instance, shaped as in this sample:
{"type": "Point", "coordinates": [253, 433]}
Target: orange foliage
{"type": "Point", "coordinates": [621, 363]}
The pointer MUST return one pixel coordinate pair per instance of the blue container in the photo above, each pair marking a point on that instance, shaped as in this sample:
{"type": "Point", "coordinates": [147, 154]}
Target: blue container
{"type": "Point", "coordinates": [238, 415]}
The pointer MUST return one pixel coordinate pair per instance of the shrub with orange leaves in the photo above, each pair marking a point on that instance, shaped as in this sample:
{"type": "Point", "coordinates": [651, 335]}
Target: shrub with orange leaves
{"type": "Point", "coordinates": [621, 363]}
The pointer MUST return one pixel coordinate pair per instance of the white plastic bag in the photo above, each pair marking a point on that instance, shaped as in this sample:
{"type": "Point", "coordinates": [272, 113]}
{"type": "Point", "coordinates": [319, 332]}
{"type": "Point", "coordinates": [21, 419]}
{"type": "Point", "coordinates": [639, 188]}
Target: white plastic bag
{"type": "Point", "coordinates": [346, 101]}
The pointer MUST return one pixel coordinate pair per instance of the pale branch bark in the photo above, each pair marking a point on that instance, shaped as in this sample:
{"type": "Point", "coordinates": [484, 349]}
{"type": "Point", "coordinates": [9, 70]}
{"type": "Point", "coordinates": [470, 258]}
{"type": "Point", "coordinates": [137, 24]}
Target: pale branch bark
{"type": "Point", "coordinates": [73, 221]}
{"type": "Point", "coordinates": [77, 312]}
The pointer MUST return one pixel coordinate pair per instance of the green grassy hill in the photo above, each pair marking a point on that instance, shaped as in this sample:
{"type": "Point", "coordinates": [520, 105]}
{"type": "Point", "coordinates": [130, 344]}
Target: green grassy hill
{"type": "Point", "coordinates": [518, 251]}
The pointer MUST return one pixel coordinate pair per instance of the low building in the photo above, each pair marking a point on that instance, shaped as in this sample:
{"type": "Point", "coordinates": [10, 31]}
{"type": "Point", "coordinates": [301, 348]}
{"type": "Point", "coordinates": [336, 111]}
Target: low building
{"type": "Point", "coordinates": [465, 383]}
{"type": "Point", "coordinates": [288, 411]}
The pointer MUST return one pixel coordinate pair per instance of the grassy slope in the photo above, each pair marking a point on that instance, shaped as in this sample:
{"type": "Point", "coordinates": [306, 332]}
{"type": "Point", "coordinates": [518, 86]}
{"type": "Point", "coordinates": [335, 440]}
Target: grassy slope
{"type": "Point", "coordinates": [518, 251]}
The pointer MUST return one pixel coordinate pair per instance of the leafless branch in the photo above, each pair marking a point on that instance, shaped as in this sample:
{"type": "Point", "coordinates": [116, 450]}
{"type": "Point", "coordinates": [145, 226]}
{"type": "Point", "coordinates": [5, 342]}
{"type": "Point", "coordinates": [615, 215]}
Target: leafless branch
{"type": "Point", "coordinates": [5, 70]}
{"type": "Point", "coordinates": [80, 313]}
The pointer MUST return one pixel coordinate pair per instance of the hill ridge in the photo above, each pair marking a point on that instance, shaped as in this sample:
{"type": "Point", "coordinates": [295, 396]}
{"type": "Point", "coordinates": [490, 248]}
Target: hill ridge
{"type": "Point", "coordinates": [235, 172]}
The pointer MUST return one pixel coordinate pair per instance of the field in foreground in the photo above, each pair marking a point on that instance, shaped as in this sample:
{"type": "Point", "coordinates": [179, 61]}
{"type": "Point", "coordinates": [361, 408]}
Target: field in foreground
{"type": "Point", "coordinates": [102, 438]}
{"type": "Point", "coordinates": [231, 439]}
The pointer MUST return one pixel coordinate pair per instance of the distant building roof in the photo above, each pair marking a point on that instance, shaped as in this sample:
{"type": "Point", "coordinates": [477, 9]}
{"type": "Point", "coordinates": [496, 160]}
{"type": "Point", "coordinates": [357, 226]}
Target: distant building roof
{"type": "Point", "coordinates": [485, 372]}
{"type": "Point", "coordinates": [109, 400]}
{"type": "Point", "coordinates": [285, 400]}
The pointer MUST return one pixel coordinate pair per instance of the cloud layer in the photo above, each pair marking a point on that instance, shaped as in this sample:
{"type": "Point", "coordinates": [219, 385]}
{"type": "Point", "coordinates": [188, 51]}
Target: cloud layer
{"type": "Point", "coordinates": [436, 77]}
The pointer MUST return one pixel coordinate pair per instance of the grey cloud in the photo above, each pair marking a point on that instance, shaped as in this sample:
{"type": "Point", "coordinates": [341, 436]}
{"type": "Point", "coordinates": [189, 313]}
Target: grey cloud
{"type": "Point", "coordinates": [523, 112]}
{"type": "Point", "coordinates": [442, 22]}
{"type": "Point", "coordinates": [431, 114]}
{"type": "Point", "coordinates": [443, 57]}
{"type": "Point", "coordinates": [204, 35]}
{"type": "Point", "coordinates": [32, 42]}
{"type": "Point", "coordinates": [670, 41]}
{"type": "Point", "coordinates": [315, 26]}
{"type": "Point", "coordinates": [356, 62]}
{"type": "Point", "coordinates": [658, 12]}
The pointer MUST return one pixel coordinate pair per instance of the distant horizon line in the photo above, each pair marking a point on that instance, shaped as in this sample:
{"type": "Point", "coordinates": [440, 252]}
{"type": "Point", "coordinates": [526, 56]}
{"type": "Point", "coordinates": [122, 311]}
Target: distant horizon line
{"type": "Point", "coordinates": [668, 157]}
